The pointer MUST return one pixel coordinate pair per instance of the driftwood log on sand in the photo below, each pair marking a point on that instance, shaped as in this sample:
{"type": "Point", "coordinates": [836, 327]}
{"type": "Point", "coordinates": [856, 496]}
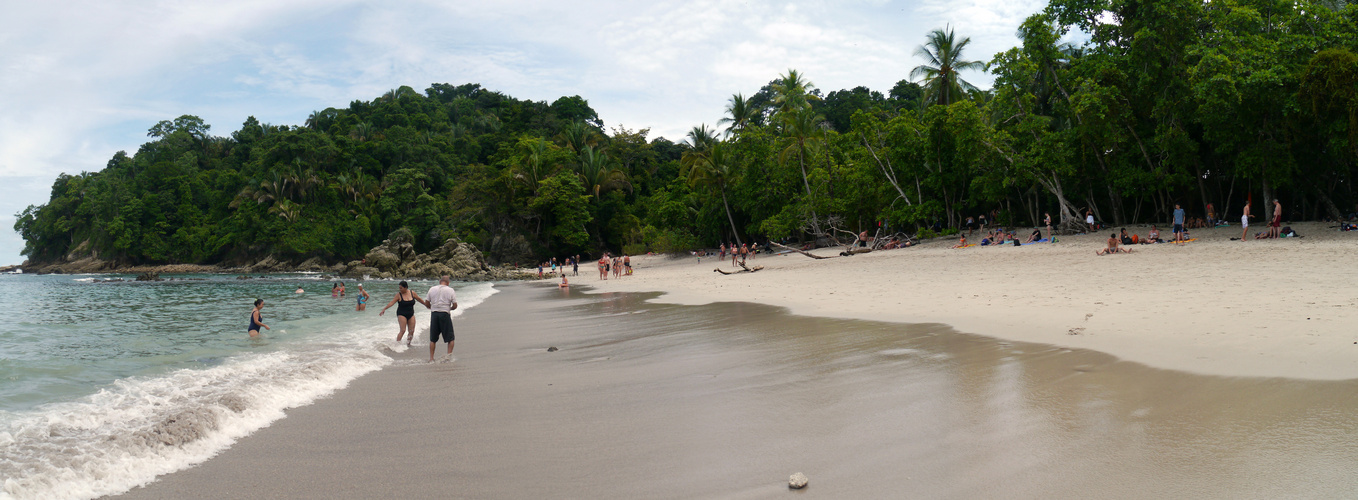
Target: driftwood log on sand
{"type": "Point", "coordinates": [803, 252]}
{"type": "Point", "coordinates": [743, 270]}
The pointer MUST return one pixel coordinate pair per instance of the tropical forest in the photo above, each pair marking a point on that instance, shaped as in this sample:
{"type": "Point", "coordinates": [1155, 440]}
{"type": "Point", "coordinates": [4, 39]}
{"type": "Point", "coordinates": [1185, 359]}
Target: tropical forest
{"type": "Point", "coordinates": [1119, 108]}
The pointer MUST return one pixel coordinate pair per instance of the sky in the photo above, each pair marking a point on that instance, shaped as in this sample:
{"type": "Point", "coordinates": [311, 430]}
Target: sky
{"type": "Point", "coordinates": [81, 80]}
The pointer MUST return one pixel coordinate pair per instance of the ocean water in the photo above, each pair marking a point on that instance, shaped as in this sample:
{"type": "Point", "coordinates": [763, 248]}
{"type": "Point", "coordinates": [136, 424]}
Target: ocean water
{"type": "Point", "coordinates": [104, 386]}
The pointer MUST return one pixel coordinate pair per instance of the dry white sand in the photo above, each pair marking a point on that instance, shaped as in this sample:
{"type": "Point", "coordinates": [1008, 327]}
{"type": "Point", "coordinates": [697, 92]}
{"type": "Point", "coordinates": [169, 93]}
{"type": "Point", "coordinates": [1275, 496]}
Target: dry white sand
{"type": "Point", "coordinates": [1275, 308]}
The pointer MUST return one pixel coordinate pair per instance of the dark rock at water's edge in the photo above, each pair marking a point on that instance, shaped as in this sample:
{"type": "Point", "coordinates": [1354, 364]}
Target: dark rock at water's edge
{"type": "Point", "coordinates": [394, 258]}
{"type": "Point", "coordinates": [149, 276]}
{"type": "Point", "coordinates": [552, 349]}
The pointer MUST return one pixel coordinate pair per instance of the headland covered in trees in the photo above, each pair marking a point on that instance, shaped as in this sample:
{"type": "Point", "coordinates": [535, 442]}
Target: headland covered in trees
{"type": "Point", "coordinates": [1176, 101]}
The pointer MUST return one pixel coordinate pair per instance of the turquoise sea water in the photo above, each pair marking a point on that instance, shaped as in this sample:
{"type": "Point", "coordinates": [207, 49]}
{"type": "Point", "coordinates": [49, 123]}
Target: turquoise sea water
{"type": "Point", "coordinates": [103, 386]}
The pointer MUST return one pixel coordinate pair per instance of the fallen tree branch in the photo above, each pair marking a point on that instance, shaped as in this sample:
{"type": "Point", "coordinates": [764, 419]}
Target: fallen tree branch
{"type": "Point", "coordinates": [743, 270]}
{"type": "Point", "coordinates": [803, 252]}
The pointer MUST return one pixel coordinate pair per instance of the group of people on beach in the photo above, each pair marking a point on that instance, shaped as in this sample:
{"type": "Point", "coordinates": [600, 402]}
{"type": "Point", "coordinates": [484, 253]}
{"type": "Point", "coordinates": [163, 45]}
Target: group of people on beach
{"type": "Point", "coordinates": [553, 266]}
{"type": "Point", "coordinates": [615, 265]}
{"type": "Point", "coordinates": [738, 253]}
{"type": "Point", "coordinates": [441, 301]}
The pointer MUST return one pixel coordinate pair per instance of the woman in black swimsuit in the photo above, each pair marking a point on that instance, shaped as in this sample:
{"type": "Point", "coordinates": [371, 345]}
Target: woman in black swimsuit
{"type": "Point", "coordinates": [256, 319]}
{"type": "Point", "coordinates": [405, 300]}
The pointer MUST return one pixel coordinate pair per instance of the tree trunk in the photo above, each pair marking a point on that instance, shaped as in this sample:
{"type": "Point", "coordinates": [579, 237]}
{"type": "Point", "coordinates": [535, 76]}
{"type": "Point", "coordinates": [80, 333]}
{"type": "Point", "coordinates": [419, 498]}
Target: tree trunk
{"type": "Point", "coordinates": [734, 231]}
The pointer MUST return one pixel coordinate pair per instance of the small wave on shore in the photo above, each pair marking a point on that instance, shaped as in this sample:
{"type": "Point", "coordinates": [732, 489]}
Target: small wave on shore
{"type": "Point", "coordinates": [138, 428]}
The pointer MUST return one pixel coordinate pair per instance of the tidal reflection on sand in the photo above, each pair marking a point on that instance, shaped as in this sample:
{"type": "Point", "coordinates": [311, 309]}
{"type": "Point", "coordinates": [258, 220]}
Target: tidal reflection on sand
{"type": "Point", "coordinates": [728, 399]}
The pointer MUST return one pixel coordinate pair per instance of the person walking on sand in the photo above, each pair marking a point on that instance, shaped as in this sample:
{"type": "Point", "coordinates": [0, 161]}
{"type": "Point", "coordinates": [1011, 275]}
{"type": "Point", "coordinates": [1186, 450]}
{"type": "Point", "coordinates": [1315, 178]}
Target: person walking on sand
{"type": "Point", "coordinates": [257, 320]}
{"type": "Point", "coordinates": [362, 299]}
{"type": "Point", "coordinates": [1089, 219]}
{"type": "Point", "coordinates": [627, 264]}
{"type": "Point", "coordinates": [405, 300]}
{"type": "Point", "coordinates": [1245, 222]}
{"type": "Point", "coordinates": [441, 301]}
{"type": "Point", "coordinates": [1178, 224]}
{"type": "Point", "coordinates": [575, 266]}
{"type": "Point", "coordinates": [603, 267]}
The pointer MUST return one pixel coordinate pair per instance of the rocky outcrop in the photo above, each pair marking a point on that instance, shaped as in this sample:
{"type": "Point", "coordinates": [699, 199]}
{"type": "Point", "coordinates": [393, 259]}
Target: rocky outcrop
{"type": "Point", "coordinates": [396, 258]}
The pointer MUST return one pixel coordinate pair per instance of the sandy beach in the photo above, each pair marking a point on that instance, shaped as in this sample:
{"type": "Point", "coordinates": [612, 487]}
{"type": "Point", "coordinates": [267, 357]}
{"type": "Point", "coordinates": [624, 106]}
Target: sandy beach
{"type": "Point", "coordinates": [1267, 308]}
{"type": "Point", "coordinates": [647, 400]}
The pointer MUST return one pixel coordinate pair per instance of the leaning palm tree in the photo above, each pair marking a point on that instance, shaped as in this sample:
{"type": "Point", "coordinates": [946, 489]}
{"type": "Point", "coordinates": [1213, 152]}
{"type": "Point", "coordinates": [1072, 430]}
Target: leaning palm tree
{"type": "Point", "coordinates": [943, 55]}
{"type": "Point", "coordinates": [716, 169]}
{"type": "Point", "coordinates": [806, 129]}
{"type": "Point", "coordinates": [740, 113]}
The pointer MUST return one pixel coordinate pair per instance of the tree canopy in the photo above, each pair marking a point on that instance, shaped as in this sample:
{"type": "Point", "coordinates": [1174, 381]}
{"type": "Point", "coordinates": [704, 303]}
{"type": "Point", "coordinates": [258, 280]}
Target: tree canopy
{"type": "Point", "coordinates": [1162, 102]}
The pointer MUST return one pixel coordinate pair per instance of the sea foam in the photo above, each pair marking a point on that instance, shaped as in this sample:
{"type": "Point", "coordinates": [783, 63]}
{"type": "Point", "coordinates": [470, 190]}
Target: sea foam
{"type": "Point", "coordinates": [139, 428]}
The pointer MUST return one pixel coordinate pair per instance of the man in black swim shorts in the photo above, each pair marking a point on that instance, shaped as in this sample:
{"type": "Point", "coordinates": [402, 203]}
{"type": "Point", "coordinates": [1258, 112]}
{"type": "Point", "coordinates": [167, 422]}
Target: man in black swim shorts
{"type": "Point", "coordinates": [441, 302]}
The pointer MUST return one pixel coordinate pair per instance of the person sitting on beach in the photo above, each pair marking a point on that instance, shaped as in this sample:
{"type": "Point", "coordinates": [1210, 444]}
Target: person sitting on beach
{"type": "Point", "coordinates": [864, 239]}
{"type": "Point", "coordinates": [1035, 236]}
{"type": "Point", "coordinates": [1112, 246]}
{"type": "Point", "coordinates": [1126, 240]}
{"type": "Point", "coordinates": [1152, 237]}
{"type": "Point", "coordinates": [961, 243]}
{"type": "Point", "coordinates": [564, 282]}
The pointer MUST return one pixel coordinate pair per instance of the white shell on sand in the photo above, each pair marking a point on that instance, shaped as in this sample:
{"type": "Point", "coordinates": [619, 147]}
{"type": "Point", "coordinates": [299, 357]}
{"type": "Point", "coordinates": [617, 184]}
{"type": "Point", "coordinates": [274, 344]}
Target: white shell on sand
{"type": "Point", "coordinates": [797, 481]}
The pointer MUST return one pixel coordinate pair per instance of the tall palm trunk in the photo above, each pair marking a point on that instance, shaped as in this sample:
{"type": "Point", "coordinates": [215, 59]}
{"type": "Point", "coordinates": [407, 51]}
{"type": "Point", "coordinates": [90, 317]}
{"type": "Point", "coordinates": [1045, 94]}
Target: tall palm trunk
{"type": "Point", "coordinates": [724, 203]}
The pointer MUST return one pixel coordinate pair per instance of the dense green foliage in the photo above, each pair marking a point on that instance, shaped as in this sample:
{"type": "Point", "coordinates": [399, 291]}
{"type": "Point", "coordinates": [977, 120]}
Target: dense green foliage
{"type": "Point", "coordinates": [1165, 102]}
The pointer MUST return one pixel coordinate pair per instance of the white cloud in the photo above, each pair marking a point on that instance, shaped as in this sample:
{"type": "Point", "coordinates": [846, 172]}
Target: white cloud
{"type": "Point", "coordinates": [81, 80]}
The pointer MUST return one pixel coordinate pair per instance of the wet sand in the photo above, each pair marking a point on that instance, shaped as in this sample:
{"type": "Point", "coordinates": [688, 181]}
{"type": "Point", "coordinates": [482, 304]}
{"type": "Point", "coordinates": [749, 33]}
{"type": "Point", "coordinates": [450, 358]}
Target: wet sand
{"type": "Point", "coordinates": [726, 400]}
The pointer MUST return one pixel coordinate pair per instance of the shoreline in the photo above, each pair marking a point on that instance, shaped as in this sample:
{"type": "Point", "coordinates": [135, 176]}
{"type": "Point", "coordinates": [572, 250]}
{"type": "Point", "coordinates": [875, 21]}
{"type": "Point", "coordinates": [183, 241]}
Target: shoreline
{"type": "Point", "coordinates": [726, 400]}
{"type": "Point", "coordinates": [1261, 308]}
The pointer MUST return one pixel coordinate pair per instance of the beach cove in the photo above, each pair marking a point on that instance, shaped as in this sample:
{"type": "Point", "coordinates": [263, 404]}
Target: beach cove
{"type": "Point", "coordinates": [725, 400]}
{"type": "Point", "coordinates": [1261, 308]}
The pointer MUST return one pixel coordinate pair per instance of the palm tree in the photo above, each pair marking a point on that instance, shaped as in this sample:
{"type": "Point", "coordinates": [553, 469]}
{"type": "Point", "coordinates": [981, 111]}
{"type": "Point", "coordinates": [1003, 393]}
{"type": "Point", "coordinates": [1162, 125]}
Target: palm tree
{"type": "Point", "coordinates": [577, 136]}
{"type": "Point", "coordinates": [806, 129]}
{"type": "Point", "coordinates": [598, 173]}
{"type": "Point", "coordinates": [793, 92]}
{"type": "Point", "coordinates": [287, 210]}
{"type": "Point", "coordinates": [739, 113]}
{"type": "Point", "coordinates": [532, 163]}
{"type": "Point", "coordinates": [716, 169]}
{"type": "Point", "coordinates": [943, 55]}
{"type": "Point", "coordinates": [702, 138]}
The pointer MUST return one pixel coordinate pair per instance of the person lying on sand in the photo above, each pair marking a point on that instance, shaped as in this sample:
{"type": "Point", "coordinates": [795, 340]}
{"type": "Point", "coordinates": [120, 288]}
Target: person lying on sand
{"type": "Point", "coordinates": [1113, 246]}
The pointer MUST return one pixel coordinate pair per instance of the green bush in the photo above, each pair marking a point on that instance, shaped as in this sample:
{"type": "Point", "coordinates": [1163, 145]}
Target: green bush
{"type": "Point", "coordinates": [634, 249]}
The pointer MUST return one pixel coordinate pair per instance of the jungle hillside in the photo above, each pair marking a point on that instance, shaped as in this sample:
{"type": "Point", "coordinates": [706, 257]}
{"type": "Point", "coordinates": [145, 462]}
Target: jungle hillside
{"type": "Point", "coordinates": [1206, 104]}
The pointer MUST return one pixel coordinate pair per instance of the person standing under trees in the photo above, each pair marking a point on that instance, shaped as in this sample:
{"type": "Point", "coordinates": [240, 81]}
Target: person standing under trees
{"type": "Point", "coordinates": [1245, 223]}
{"type": "Point", "coordinates": [1274, 226]}
{"type": "Point", "coordinates": [1048, 221]}
{"type": "Point", "coordinates": [1178, 224]}
{"type": "Point", "coordinates": [575, 266]}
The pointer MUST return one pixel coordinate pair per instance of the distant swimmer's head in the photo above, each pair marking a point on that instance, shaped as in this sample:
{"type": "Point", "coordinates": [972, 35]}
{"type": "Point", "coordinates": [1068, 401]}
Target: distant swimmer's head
{"type": "Point", "coordinates": [444, 280]}
{"type": "Point", "coordinates": [404, 285]}
{"type": "Point", "coordinates": [259, 302]}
